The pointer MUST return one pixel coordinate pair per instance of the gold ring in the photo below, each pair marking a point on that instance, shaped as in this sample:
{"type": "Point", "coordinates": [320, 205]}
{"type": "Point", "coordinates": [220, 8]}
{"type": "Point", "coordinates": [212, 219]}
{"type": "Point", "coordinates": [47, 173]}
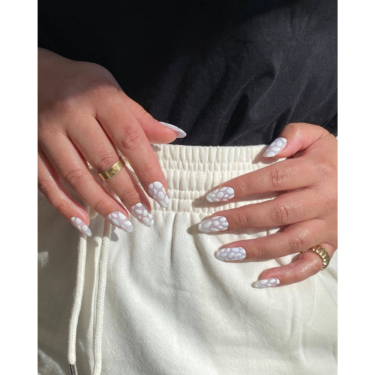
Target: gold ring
{"type": "Point", "coordinates": [112, 170]}
{"type": "Point", "coordinates": [323, 255]}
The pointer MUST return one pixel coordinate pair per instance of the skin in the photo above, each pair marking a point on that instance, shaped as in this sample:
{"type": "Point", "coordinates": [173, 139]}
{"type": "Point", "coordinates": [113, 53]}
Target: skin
{"type": "Point", "coordinates": [306, 209]}
{"type": "Point", "coordinates": [84, 115]}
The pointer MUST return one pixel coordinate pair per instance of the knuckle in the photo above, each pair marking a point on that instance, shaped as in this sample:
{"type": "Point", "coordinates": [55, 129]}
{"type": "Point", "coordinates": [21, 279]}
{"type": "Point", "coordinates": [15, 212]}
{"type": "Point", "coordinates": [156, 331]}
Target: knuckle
{"type": "Point", "coordinates": [45, 187]}
{"type": "Point", "coordinates": [75, 176]}
{"type": "Point", "coordinates": [278, 176]}
{"type": "Point", "coordinates": [260, 253]}
{"type": "Point", "coordinates": [280, 214]}
{"type": "Point", "coordinates": [101, 204]}
{"type": "Point", "coordinates": [296, 243]}
{"type": "Point", "coordinates": [62, 206]}
{"type": "Point", "coordinates": [243, 221]}
{"type": "Point", "coordinates": [315, 266]}
{"type": "Point", "coordinates": [128, 194]}
{"type": "Point", "coordinates": [131, 139]}
{"type": "Point", "coordinates": [105, 160]}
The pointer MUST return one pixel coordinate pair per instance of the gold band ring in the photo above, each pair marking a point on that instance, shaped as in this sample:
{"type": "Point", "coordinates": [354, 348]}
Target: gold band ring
{"type": "Point", "coordinates": [112, 170]}
{"type": "Point", "coordinates": [323, 255]}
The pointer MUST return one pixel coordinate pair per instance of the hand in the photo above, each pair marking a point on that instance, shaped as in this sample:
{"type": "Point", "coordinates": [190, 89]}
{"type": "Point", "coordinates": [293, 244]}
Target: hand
{"type": "Point", "coordinates": [307, 210]}
{"type": "Point", "coordinates": [84, 116]}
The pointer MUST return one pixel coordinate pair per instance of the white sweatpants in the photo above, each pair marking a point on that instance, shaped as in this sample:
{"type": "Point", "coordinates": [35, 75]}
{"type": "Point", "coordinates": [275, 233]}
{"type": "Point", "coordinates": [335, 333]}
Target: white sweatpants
{"type": "Point", "coordinates": [170, 307]}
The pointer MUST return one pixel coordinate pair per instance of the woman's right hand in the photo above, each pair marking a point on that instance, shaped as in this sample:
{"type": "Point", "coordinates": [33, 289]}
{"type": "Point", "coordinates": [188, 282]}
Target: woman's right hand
{"type": "Point", "coordinates": [85, 116]}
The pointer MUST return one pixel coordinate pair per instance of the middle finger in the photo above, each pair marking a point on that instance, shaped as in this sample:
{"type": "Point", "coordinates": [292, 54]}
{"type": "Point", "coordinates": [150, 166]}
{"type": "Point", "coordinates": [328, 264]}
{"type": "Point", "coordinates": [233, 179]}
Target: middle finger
{"type": "Point", "coordinates": [288, 208]}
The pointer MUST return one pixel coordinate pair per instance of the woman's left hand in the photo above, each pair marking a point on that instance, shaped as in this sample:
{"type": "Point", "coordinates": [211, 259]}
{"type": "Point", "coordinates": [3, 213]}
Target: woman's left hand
{"type": "Point", "coordinates": [306, 211]}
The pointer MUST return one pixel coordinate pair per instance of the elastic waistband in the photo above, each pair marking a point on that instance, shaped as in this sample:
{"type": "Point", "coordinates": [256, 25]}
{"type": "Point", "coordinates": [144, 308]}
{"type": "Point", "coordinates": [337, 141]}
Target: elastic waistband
{"type": "Point", "coordinates": [191, 171]}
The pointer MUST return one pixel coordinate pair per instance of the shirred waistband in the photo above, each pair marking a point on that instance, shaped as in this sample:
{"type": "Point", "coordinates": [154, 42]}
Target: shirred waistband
{"type": "Point", "coordinates": [191, 171]}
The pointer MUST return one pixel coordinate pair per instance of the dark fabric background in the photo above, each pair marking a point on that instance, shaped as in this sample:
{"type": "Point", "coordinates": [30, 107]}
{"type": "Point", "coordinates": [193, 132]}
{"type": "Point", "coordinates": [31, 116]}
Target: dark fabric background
{"type": "Point", "coordinates": [227, 72]}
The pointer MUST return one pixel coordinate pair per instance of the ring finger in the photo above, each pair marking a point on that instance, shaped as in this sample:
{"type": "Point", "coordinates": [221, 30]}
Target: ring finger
{"type": "Point", "coordinates": [101, 154]}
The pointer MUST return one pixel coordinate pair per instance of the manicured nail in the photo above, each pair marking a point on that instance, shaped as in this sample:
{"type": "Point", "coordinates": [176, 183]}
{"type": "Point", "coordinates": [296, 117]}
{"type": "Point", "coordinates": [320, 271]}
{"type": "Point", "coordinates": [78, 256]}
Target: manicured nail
{"type": "Point", "coordinates": [180, 132]}
{"type": "Point", "coordinates": [143, 215]}
{"type": "Point", "coordinates": [275, 147]}
{"type": "Point", "coordinates": [81, 226]}
{"type": "Point", "coordinates": [266, 283]}
{"type": "Point", "coordinates": [157, 191]}
{"type": "Point", "coordinates": [220, 195]}
{"type": "Point", "coordinates": [229, 254]}
{"type": "Point", "coordinates": [121, 221]}
{"type": "Point", "coordinates": [216, 224]}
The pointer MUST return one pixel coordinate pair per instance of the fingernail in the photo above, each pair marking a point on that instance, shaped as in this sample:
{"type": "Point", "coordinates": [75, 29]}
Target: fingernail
{"type": "Point", "coordinates": [121, 221]}
{"type": "Point", "coordinates": [275, 147]}
{"type": "Point", "coordinates": [81, 226]}
{"type": "Point", "coordinates": [266, 283]}
{"type": "Point", "coordinates": [180, 132]}
{"type": "Point", "coordinates": [157, 191]}
{"type": "Point", "coordinates": [229, 254]}
{"type": "Point", "coordinates": [216, 224]}
{"type": "Point", "coordinates": [220, 195]}
{"type": "Point", "coordinates": [143, 215]}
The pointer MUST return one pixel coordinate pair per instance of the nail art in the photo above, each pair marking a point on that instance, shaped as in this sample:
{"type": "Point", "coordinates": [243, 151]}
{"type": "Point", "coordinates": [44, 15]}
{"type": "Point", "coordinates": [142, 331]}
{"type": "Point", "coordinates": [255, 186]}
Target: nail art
{"type": "Point", "coordinates": [157, 191]}
{"type": "Point", "coordinates": [216, 224]}
{"type": "Point", "coordinates": [81, 226]}
{"type": "Point", "coordinates": [220, 195]}
{"type": "Point", "coordinates": [275, 147]}
{"type": "Point", "coordinates": [121, 221]}
{"type": "Point", "coordinates": [266, 283]}
{"type": "Point", "coordinates": [180, 132]}
{"type": "Point", "coordinates": [143, 215]}
{"type": "Point", "coordinates": [229, 254]}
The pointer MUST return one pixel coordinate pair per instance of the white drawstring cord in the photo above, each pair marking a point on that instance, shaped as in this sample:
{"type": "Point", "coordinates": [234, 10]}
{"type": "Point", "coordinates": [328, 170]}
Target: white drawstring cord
{"type": "Point", "coordinates": [80, 282]}
{"type": "Point", "coordinates": [98, 334]}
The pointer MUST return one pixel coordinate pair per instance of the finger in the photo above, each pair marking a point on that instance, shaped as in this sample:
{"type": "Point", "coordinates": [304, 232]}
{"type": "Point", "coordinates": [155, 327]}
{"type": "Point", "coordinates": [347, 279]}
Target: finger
{"type": "Point", "coordinates": [156, 132]}
{"type": "Point", "coordinates": [286, 175]}
{"type": "Point", "coordinates": [128, 136]}
{"type": "Point", "coordinates": [295, 137]}
{"type": "Point", "coordinates": [293, 239]}
{"type": "Point", "coordinates": [50, 186]}
{"type": "Point", "coordinates": [286, 209]}
{"type": "Point", "coordinates": [69, 164]}
{"type": "Point", "coordinates": [101, 154]}
{"type": "Point", "coordinates": [307, 265]}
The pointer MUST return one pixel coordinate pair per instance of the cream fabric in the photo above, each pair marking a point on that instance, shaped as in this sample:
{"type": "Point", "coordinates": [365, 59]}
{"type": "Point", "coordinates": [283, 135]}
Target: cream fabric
{"type": "Point", "coordinates": [170, 307]}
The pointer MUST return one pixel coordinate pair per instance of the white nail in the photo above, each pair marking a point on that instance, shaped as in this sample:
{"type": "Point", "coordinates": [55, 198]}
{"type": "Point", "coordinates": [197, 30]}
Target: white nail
{"type": "Point", "coordinates": [220, 195]}
{"type": "Point", "coordinates": [216, 224]}
{"type": "Point", "coordinates": [143, 215]}
{"type": "Point", "coordinates": [275, 147]}
{"type": "Point", "coordinates": [230, 254]}
{"type": "Point", "coordinates": [180, 132]}
{"type": "Point", "coordinates": [266, 283]}
{"type": "Point", "coordinates": [157, 191]}
{"type": "Point", "coordinates": [81, 226]}
{"type": "Point", "coordinates": [121, 221]}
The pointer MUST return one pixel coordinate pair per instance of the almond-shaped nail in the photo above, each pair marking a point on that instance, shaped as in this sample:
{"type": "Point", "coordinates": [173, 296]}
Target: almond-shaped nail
{"type": "Point", "coordinates": [266, 283]}
{"type": "Point", "coordinates": [143, 215]}
{"type": "Point", "coordinates": [81, 226]}
{"type": "Point", "coordinates": [157, 191]}
{"type": "Point", "coordinates": [121, 221]}
{"type": "Point", "coordinates": [180, 132]}
{"type": "Point", "coordinates": [216, 224]}
{"type": "Point", "coordinates": [230, 254]}
{"type": "Point", "coordinates": [220, 195]}
{"type": "Point", "coordinates": [275, 147]}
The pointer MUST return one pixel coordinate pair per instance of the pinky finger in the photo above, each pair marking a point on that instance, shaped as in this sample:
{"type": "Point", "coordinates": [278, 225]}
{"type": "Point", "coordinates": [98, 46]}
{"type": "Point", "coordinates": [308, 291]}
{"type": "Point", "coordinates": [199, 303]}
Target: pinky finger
{"type": "Point", "coordinates": [56, 194]}
{"type": "Point", "coordinates": [308, 264]}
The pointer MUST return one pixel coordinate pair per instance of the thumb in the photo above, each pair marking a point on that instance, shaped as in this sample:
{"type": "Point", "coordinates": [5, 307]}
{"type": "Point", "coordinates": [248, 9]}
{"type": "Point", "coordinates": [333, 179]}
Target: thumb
{"type": "Point", "coordinates": [295, 137]}
{"type": "Point", "coordinates": [156, 132]}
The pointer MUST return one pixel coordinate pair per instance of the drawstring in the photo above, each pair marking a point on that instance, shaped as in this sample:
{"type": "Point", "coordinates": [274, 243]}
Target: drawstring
{"type": "Point", "coordinates": [73, 324]}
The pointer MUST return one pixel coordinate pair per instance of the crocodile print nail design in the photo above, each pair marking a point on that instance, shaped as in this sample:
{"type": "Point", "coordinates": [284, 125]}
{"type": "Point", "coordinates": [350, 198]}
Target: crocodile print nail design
{"type": "Point", "coordinates": [230, 254]}
{"type": "Point", "coordinates": [220, 195]}
{"type": "Point", "coordinates": [216, 224]}
{"type": "Point", "coordinates": [121, 221]}
{"type": "Point", "coordinates": [266, 283]}
{"type": "Point", "coordinates": [81, 226]}
{"type": "Point", "coordinates": [143, 215]}
{"type": "Point", "coordinates": [157, 191]}
{"type": "Point", "coordinates": [275, 147]}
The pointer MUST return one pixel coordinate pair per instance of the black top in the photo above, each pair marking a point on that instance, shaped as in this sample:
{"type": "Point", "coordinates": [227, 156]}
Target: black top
{"type": "Point", "coordinates": [228, 72]}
